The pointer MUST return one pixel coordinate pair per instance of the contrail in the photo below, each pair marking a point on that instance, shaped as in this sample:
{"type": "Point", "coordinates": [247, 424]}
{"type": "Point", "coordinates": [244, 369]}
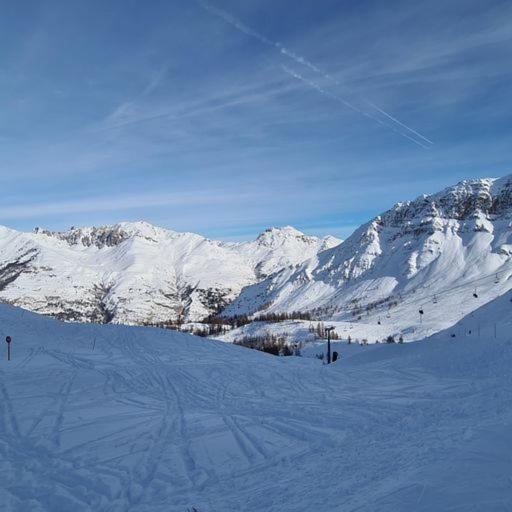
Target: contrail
{"type": "Point", "coordinates": [339, 99]}
{"type": "Point", "coordinates": [234, 22]}
{"type": "Point", "coordinates": [398, 122]}
{"type": "Point", "coordinates": [321, 90]}
{"type": "Point", "coordinates": [242, 27]}
{"type": "Point", "coordinates": [383, 112]}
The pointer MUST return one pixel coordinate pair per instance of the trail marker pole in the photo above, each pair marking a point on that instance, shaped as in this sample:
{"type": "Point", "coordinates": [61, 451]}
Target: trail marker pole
{"type": "Point", "coordinates": [8, 341]}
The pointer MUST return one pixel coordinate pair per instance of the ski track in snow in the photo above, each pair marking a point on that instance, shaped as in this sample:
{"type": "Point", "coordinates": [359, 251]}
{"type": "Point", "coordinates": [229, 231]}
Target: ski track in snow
{"type": "Point", "coordinates": [158, 421]}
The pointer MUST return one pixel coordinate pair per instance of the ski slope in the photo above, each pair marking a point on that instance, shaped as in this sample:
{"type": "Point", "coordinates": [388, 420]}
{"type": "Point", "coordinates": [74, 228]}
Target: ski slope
{"type": "Point", "coordinates": [441, 310]}
{"type": "Point", "coordinates": [115, 418]}
{"type": "Point", "coordinates": [431, 254]}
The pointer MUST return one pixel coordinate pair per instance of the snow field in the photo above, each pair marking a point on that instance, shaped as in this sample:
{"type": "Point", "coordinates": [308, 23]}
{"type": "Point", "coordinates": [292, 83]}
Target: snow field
{"type": "Point", "coordinates": [153, 420]}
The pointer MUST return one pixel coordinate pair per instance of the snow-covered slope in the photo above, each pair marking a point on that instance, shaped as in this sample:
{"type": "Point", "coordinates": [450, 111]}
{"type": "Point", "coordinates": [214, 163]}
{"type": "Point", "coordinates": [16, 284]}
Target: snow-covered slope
{"type": "Point", "coordinates": [115, 418]}
{"type": "Point", "coordinates": [137, 273]}
{"type": "Point", "coordinates": [431, 254]}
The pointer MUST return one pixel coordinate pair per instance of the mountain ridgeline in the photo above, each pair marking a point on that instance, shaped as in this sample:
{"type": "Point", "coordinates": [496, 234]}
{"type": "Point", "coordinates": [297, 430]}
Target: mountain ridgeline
{"type": "Point", "coordinates": [444, 254]}
{"type": "Point", "coordinates": [136, 273]}
{"type": "Point", "coordinates": [447, 249]}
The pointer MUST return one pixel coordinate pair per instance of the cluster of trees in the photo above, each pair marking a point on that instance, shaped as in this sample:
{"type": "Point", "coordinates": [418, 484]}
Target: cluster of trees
{"type": "Point", "coordinates": [232, 321]}
{"type": "Point", "coordinates": [205, 330]}
{"type": "Point", "coordinates": [325, 311]}
{"type": "Point", "coordinates": [214, 325]}
{"type": "Point", "coordinates": [208, 330]}
{"type": "Point", "coordinates": [320, 333]}
{"type": "Point", "coordinates": [173, 325]}
{"type": "Point", "coordinates": [240, 320]}
{"type": "Point", "coordinates": [282, 317]}
{"type": "Point", "coordinates": [358, 310]}
{"type": "Point", "coordinates": [392, 339]}
{"type": "Point", "coordinates": [277, 344]}
{"type": "Point", "coordinates": [269, 343]}
{"type": "Point", "coordinates": [364, 341]}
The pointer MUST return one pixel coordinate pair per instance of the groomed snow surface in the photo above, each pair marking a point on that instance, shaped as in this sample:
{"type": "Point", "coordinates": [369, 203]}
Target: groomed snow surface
{"type": "Point", "coordinates": [113, 418]}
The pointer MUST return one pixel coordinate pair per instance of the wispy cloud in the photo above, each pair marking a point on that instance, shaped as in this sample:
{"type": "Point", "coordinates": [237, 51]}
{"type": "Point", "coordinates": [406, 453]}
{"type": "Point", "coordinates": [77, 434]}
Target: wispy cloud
{"type": "Point", "coordinates": [299, 59]}
{"type": "Point", "coordinates": [112, 204]}
{"type": "Point", "coordinates": [135, 112]}
{"type": "Point", "coordinates": [226, 126]}
{"type": "Point", "coordinates": [341, 100]}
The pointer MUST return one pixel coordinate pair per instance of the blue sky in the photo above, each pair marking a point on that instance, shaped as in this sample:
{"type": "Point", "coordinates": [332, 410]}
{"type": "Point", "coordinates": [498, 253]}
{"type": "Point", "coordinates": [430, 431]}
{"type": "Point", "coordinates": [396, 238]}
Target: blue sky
{"type": "Point", "coordinates": [227, 117]}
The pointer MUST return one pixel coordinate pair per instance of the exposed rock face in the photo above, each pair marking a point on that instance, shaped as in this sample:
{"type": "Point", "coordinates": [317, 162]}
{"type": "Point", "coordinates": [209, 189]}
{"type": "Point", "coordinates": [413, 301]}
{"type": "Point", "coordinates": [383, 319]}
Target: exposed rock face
{"type": "Point", "coordinates": [433, 243]}
{"type": "Point", "coordinates": [136, 273]}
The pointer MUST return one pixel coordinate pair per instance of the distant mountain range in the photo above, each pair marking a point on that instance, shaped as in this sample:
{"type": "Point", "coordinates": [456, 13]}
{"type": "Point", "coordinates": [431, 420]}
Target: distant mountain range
{"type": "Point", "coordinates": [445, 254]}
{"type": "Point", "coordinates": [136, 273]}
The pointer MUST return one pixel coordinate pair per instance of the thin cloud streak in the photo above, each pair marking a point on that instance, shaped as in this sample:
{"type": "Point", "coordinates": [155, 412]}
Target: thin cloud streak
{"type": "Point", "coordinates": [217, 112]}
{"type": "Point", "coordinates": [105, 204]}
{"type": "Point", "coordinates": [394, 119]}
{"type": "Point", "coordinates": [122, 117]}
{"type": "Point", "coordinates": [339, 99]}
{"type": "Point", "coordinates": [323, 91]}
{"type": "Point", "coordinates": [233, 21]}
{"type": "Point", "coordinates": [242, 27]}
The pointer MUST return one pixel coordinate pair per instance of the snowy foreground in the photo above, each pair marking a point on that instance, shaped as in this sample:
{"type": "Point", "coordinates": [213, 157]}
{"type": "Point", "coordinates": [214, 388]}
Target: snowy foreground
{"type": "Point", "coordinates": [111, 418]}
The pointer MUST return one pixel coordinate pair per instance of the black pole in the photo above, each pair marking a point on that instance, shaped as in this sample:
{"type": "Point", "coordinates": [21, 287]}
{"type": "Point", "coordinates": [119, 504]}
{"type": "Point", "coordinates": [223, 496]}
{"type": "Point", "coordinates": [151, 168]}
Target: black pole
{"type": "Point", "coordinates": [328, 346]}
{"type": "Point", "coordinates": [8, 341]}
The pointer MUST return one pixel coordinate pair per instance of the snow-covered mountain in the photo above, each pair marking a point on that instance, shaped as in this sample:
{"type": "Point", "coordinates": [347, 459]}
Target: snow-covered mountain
{"type": "Point", "coordinates": [444, 254]}
{"type": "Point", "coordinates": [136, 273]}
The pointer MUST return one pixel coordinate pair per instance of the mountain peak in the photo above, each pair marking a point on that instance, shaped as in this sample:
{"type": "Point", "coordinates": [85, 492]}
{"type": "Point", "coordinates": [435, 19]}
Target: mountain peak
{"type": "Point", "coordinates": [109, 235]}
{"type": "Point", "coordinates": [276, 236]}
{"type": "Point", "coordinates": [281, 231]}
{"type": "Point", "coordinates": [435, 248]}
{"type": "Point", "coordinates": [467, 199]}
{"type": "Point", "coordinates": [331, 241]}
{"type": "Point", "coordinates": [144, 229]}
